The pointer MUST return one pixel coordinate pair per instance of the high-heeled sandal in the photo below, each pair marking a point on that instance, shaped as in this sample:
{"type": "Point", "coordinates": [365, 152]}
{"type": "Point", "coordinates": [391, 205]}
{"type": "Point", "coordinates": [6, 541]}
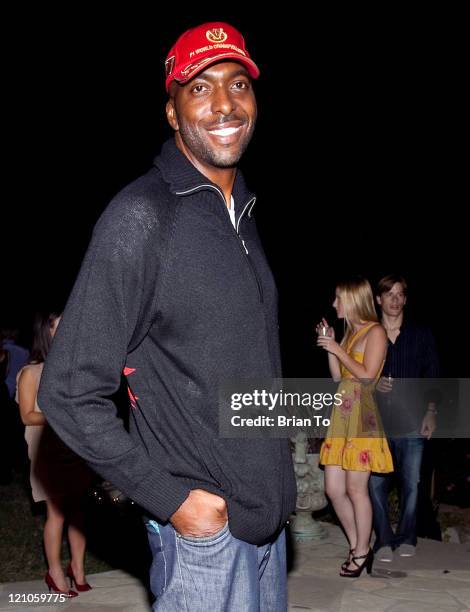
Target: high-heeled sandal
{"type": "Point", "coordinates": [80, 587]}
{"type": "Point", "coordinates": [367, 563]}
{"type": "Point", "coordinates": [53, 587]}
{"type": "Point", "coordinates": [348, 560]}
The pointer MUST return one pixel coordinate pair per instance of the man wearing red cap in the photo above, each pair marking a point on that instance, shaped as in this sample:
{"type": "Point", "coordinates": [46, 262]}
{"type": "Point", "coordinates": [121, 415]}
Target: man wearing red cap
{"type": "Point", "coordinates": [176, 293]}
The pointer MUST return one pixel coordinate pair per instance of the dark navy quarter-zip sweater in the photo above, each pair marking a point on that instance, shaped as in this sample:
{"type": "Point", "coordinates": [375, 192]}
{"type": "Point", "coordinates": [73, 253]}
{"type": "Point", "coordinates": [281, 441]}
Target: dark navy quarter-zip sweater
{"type": "Point", "coordinates": [174, 296]}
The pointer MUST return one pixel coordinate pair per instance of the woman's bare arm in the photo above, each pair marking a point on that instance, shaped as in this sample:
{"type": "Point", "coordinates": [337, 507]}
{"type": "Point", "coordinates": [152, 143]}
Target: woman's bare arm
{"type": "Point", "coordinates": [374, 355]}
{"type": "Point", "coordinates": [27, 391]}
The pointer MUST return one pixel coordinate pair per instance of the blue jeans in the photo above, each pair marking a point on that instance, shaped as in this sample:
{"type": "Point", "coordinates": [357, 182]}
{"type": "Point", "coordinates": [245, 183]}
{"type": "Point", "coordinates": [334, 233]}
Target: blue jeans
{"type": "Point", "coordinates": [217, 573]}
{"type": "Point", "coordinates": [407, 454]}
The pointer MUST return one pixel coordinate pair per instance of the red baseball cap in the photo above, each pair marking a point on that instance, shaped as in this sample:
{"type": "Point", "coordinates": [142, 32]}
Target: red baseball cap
{"type": "Point", "coordinates": [204, 45]}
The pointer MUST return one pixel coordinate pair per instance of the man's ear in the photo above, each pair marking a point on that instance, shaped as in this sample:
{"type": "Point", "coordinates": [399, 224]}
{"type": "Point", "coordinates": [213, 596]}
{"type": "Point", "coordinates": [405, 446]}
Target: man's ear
{"type": "Point", "coordinates": [379, 301]}
{"type": "Point", "coordinates": [171, 114]}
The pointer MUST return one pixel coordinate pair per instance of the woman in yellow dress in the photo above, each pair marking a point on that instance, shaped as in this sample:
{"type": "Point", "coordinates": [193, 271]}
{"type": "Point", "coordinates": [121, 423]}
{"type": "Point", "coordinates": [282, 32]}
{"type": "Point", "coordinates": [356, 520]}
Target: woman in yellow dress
{"type": "Point", "coordinates": [355, 444]}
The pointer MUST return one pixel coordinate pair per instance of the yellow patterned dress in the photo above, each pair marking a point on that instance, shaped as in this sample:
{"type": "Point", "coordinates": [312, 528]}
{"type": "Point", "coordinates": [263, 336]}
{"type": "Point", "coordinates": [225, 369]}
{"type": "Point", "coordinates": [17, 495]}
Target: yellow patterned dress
{"type": "Point", "coordinates": [355, 438]}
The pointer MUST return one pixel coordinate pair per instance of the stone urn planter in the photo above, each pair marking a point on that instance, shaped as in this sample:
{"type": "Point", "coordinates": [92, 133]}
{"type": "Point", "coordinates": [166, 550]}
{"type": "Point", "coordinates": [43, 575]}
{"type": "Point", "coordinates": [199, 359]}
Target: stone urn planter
{"type": "Point", "coordinates": [310, 492]}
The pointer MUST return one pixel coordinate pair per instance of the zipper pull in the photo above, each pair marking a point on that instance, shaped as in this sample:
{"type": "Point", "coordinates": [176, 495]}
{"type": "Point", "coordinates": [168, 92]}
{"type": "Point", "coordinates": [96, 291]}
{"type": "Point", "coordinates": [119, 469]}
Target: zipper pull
{"type": "Point", "coordinates": [242, 241]}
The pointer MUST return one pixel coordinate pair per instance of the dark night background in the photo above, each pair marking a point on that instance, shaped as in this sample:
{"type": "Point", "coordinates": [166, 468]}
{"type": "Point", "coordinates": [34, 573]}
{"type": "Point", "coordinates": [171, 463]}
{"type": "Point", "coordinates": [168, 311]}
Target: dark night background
{"type": "Point", "coordinates": [356, 161]}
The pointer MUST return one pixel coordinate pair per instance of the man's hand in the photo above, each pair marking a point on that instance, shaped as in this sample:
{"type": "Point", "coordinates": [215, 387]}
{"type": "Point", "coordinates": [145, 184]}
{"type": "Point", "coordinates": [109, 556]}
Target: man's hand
{"type": "Point", "coordinates": [385, 384]}
{"type": "Point", "coordinates": [428, 425]}
{"type": "Point", "coordinates": [201, 514]}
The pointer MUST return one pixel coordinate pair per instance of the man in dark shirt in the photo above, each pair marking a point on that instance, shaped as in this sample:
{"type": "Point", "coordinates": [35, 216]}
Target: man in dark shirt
{"type": "Point", "coordinates": [409, 417]}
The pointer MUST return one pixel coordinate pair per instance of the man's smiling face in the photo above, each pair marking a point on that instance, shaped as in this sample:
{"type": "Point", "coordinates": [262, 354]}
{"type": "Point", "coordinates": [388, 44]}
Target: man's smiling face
{"type": "Point", "coordinates": [214, 115]}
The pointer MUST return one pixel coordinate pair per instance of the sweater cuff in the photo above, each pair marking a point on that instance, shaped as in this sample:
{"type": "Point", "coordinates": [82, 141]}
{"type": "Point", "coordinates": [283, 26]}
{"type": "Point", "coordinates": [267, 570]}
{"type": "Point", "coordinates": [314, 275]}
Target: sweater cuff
{"type": "Point", "coordinates": [161, 494]}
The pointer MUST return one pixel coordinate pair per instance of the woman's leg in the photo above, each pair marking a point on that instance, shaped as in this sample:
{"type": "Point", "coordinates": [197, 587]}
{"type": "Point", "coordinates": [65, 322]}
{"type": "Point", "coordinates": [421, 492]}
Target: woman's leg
{"type": "Point", "coordinates": [358, 493]}
{"type": "Point", "coordinates": [77, 540]}
{"type": "Point", "coordinates": [53, 528]}
{"type": "Point", "coordinates": [335, 488]}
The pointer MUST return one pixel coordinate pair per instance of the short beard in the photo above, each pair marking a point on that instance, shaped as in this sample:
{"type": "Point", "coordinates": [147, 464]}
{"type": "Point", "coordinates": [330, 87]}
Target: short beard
{"type": "Point", "coordinates": [216, 158]}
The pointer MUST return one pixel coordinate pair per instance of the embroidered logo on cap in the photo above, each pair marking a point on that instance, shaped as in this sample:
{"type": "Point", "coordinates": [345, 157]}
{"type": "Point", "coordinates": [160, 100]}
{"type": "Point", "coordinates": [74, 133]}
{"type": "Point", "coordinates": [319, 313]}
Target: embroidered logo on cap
{"type": "Point", "coordinates": [216, 35]}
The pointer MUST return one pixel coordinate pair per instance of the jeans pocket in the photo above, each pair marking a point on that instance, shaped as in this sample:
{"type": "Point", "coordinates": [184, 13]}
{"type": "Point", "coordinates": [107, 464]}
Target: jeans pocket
{"type": "Point", "coordinates": [158, 569]}
{"type": "Point", "coordinates": [209, 540]}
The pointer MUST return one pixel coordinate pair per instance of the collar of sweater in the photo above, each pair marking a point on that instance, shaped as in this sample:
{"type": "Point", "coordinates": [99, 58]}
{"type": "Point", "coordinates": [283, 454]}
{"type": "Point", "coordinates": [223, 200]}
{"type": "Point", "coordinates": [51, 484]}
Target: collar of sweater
{"type": "Point", "coordinates": [182, 176]}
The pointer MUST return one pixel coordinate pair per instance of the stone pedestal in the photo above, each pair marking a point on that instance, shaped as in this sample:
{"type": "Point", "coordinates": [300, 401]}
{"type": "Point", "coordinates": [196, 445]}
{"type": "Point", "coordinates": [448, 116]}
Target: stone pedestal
{"type": "Point", "coordinates": [310, 492]}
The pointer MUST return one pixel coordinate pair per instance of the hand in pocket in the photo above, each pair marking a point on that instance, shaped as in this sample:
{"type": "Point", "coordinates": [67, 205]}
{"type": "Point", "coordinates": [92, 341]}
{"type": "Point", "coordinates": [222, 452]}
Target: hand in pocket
{"type": "Point", "coordinates": [202, 514]}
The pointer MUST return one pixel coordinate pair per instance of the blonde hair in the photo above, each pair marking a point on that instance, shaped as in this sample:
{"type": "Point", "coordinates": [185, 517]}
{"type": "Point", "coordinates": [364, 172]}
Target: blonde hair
{"type": "Point", "coordinates": [358, 304]}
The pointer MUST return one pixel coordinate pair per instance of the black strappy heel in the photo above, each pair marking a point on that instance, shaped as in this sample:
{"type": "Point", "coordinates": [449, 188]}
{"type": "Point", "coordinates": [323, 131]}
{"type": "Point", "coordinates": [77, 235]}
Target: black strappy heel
{"type": "Point", "coordinates": [369, 559]}
{"type": "Point", "coordinates": [348, 560]}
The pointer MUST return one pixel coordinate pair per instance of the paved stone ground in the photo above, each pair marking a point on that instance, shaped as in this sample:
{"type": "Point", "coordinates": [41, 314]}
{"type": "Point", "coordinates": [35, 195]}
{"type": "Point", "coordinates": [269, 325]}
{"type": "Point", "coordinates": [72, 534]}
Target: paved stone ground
{"type": "Point", "coordinates": [437, 579]}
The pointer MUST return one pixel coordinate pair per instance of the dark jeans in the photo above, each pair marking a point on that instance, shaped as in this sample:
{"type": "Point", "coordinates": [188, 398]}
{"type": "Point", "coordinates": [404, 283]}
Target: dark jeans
{"type": "Point", "coordinates": [407, 454]}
